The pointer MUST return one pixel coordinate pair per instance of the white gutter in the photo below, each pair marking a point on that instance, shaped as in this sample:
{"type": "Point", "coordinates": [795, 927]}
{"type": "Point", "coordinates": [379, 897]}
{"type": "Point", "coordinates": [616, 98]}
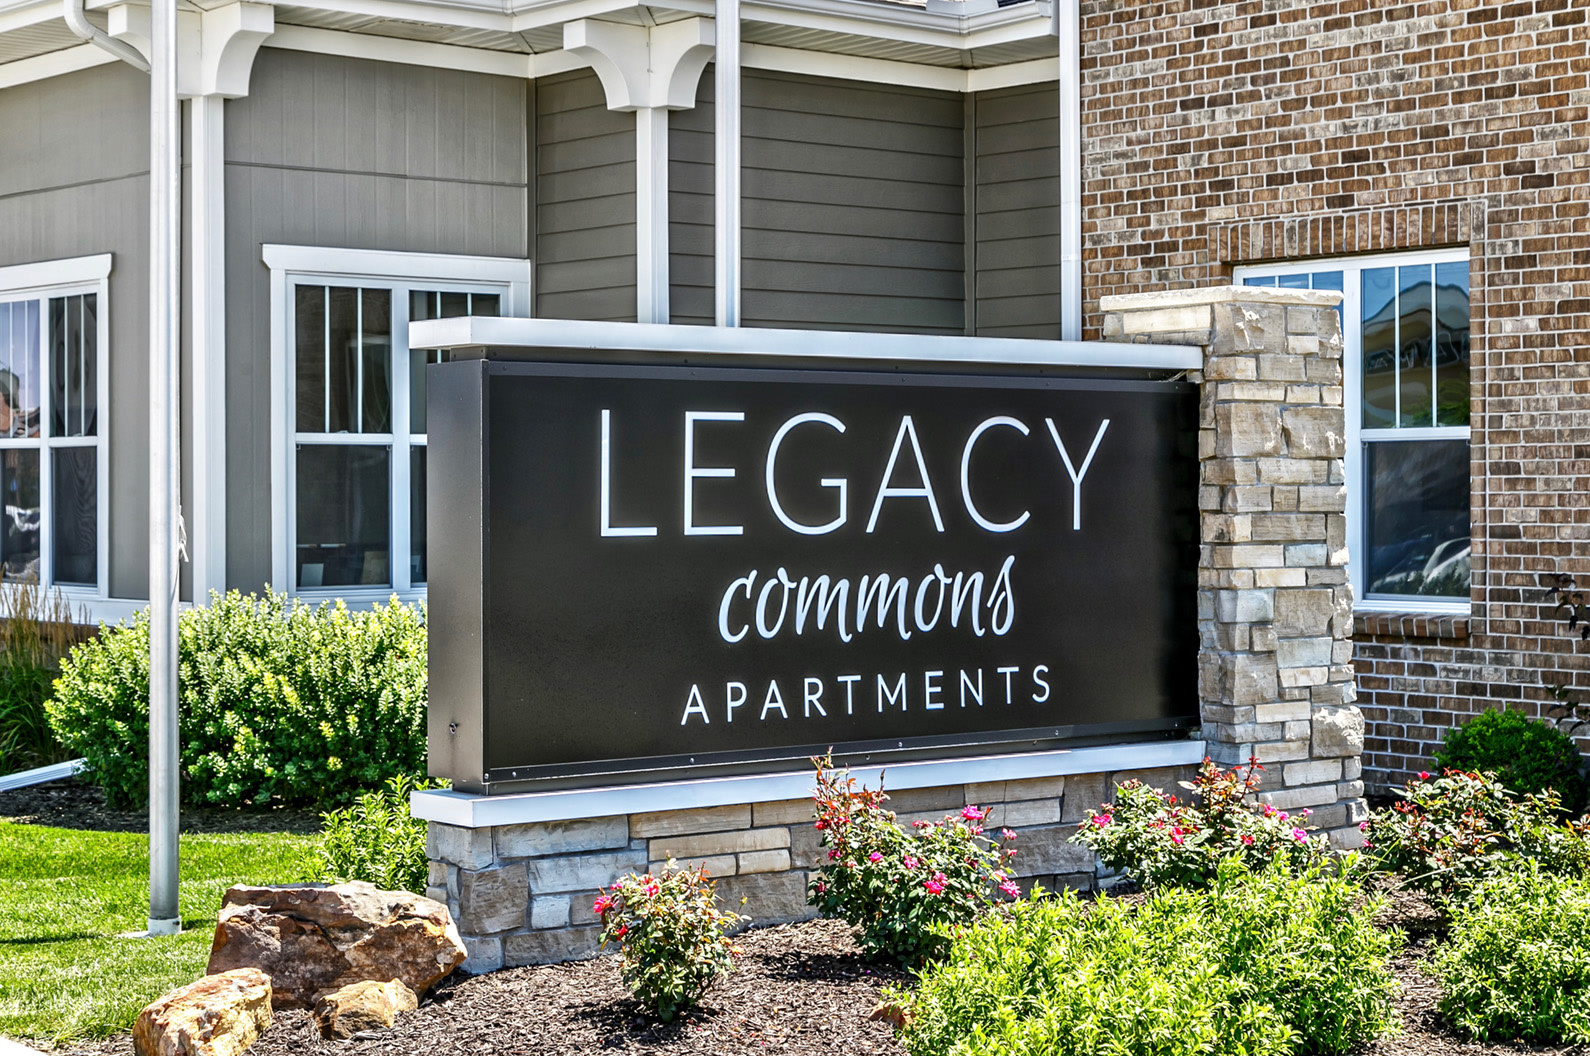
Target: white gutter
{"type": "Point", "coordinates": [77, 21]}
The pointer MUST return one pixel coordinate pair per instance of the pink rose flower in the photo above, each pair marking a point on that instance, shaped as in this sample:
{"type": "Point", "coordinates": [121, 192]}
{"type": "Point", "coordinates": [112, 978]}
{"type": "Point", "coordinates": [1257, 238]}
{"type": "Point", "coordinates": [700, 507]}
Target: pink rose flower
{"type": "Point", "coordinates": [1299, 835]}
{"type": "Point", "coordinates": [875, 857]}
{"type": "Point", "coordinates": [1010, 888]}
{"type": "Point", "coordinates": [971, 813]}
{"type": "Point", "coordinates": [935, 884]}
{"type": "Point", "coordinates": [1006, 834]}
{"type": "Point", "coordinates": [910, 862]}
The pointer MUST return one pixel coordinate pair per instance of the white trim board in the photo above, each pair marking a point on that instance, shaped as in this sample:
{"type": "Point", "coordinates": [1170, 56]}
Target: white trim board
{"type": "Point", "coordinates": [54, 64]}
{"type": "Point", "coordinates": [735, 342]}
{"type": "Point", "coordinates": [753, 56]}
{"type": "Point", "coordinates": [481, 812]}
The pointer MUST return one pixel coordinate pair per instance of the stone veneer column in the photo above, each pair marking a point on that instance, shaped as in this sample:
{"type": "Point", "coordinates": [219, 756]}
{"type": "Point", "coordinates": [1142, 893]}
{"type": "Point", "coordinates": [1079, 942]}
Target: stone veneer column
{"type": "Point", "coordinates": [1275, 607]}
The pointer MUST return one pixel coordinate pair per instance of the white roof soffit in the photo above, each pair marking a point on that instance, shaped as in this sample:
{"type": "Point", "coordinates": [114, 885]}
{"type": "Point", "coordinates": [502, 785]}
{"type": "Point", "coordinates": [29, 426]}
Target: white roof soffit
{"type": "Point", "coordinates": [732, 343]}
{"type": "Point", "coordinates": [878, 18]}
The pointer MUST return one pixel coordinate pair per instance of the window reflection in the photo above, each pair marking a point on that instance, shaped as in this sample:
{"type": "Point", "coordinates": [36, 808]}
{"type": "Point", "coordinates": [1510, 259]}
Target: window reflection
{"type": "Point", "coordinates": [19, 481]}
{"type": "Point", "coordinates": [1452, 343]}
{"type": "Point", "coordinates": [344, 515]}
{"type": "Point", "coordinates": [75, 504]}
{"type": "Point", "coordinates": [1379, 347]}
{"type": "Point", "coordinates": [1417, 530]}
{"type": "Point", "coordinates": [19, 369]}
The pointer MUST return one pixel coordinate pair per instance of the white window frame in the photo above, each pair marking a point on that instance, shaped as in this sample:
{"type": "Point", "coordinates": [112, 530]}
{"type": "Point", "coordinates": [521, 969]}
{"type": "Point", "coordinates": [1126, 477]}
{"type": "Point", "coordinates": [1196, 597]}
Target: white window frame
{"type": "Point", "coordinates": [366, 269]}
{"type": "Point", "coordinates": [1352, 399]}
{"type": "Point", "coordinates": [41, 282]}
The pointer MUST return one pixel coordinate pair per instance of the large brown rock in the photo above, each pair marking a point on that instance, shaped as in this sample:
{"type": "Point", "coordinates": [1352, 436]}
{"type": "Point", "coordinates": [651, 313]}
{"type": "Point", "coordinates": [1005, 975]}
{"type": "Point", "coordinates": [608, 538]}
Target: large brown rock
{"type": "Point", "coordinates": [310, 938]}
{"type": "Point", "coordinates": [369, 1005]}
{"type": "Point", "coordinates": [220, 1015]}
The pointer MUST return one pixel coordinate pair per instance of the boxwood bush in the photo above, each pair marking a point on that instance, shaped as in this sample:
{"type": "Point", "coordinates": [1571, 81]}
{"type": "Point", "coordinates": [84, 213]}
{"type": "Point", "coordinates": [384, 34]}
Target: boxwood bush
{"type": "Point", "coordinates": [1256, 963]}
{"type": "Point", "coordinates": [281, 702]}
{"type": "Point", "coordinates": [1527, 756]}
{"type": "Point", "coordinates": [1517, 962]}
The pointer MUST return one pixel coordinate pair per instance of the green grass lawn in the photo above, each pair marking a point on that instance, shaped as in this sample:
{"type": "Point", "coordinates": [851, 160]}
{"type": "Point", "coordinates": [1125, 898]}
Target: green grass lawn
{"type": "Point", "coordinates": [66, 898]}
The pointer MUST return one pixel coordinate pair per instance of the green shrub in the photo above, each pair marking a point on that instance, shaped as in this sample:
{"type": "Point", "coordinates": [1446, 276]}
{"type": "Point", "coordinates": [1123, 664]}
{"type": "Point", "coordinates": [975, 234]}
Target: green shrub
{"type": "Point", "coordinates": [1452, 832]}
{"type": "Point", "coordinates": [377, 839]}
{"type": "Point", "coordinates": [1527, 756]}
{"type": "Point", "coordinates": [901, 889]}
{"type": "Point", "coordinates": [1159, 839]}
{"type": "Point", "coordinates": [1256, 963]}
{"type": "Point", "coordinates": [36, 630]}
{"type": "Point", "coordinates": [1517, 962]}
{"type": "Point", "coordinates": [280, 702]}
{"type": "Point", "coordinates": [674, 938]}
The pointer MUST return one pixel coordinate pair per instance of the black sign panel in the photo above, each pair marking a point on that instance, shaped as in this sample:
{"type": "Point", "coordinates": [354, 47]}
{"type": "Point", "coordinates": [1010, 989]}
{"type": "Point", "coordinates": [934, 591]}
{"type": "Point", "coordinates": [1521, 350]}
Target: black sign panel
{"type": "Point", "coordinates": [641, 569]}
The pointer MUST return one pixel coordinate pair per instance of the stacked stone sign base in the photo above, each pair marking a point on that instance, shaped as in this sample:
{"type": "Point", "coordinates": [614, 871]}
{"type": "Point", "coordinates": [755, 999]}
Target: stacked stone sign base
{"type": "Point", "coordinates": [1275, 679]}
{"type": "Point", "coordinates": [1275, 607]}
{"type": "Point", "coordinates": [522, 894]}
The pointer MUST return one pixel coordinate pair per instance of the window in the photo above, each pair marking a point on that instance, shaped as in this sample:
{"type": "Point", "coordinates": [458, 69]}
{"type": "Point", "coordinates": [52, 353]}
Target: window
{"type": "Point", "coordinates": [53, 333]}
{"type": "Point", "coordinates": [352, 393]}
{"type": "Point", "coordinates": [1406, 386]}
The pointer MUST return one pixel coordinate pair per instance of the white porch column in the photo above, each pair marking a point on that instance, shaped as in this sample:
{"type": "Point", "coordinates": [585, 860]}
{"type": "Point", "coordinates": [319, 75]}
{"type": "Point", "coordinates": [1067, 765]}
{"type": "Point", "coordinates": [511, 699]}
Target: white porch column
{"type": "Point", "coordinates": [217, 49]}
{"type": "Point", "coordinates": [650, 70]}
{"type": "Point", "coordinates": [231, 38]}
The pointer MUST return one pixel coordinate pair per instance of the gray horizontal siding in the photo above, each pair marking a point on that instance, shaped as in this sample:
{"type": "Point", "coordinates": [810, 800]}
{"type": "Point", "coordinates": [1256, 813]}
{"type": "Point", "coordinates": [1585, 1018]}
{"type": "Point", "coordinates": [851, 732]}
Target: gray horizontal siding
{"type": "Point", "coordinates": [327, 151]}
{"type": "Point", "coordinates": [1016, 212]}
{"type": "Point", "coordinates": [852, 209]}
{"type": "Point", "coordinates": [585, 202]}
{"type": "Point", "coordinates": [690, 205]}
{"type": "Point", "coordinates": [326, 113]}
{"type": "Point", "coordinates": [74, 182]}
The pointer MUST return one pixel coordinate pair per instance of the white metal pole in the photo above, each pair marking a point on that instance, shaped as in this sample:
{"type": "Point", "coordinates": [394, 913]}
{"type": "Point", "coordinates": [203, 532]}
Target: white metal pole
{"type": "Point", "coordinates": [727, 162]}
{"type": "Point", "coordinates": [1068, 28]}
{"type": "Point", "coordinates": [165, 176]}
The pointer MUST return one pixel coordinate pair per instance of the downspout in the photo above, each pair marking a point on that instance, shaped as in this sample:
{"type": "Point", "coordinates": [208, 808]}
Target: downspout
{"type": "Point", "coordinates": [77, 21]}
{"type": "Point", "coordinates": [1068, 28]}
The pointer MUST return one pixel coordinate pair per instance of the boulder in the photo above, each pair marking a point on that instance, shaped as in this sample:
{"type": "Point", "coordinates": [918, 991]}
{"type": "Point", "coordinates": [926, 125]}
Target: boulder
{"type": "Point", "coordinates": [311, 938]}
{"type": "Point", "coordinates": [369, 1005]}
{"type": "Point", "coordinates": [220, 1015]}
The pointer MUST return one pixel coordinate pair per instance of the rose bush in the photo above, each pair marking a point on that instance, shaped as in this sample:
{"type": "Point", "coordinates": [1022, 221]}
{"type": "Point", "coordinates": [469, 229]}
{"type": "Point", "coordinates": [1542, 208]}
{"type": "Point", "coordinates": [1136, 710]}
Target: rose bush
{"type": "Point", "coordinates": [1160, 840]}
{"type": "Point", "coordinates": [1451, 832]}
{"type": "Point", "coordinates": [673, 937]}
{"type": "Point", "coordinates": [904, 890]}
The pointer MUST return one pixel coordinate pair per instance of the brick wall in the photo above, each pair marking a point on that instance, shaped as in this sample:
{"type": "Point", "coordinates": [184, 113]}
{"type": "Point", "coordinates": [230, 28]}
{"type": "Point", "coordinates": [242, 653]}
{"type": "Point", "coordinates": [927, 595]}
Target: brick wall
{"type": "Point", "coordinates": [1220, 134]}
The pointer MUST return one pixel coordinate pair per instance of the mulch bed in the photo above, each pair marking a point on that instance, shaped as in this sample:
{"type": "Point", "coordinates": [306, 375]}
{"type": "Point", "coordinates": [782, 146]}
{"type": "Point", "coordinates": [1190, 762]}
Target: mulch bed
{"type": "Point", "coordinates": [800, 989]}
{"type": "Point", "coordinates": [72, 805]}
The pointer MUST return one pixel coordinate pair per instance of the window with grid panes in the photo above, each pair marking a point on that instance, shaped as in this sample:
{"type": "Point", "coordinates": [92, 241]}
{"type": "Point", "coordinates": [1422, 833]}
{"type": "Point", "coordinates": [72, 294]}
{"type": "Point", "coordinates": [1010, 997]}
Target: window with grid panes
{"type": "Point", "coordinates": [359, 430]}
{"type": "Point", "coordinates": [50, 433]}
{"type": "Point", "coordinates": [1406, 383]}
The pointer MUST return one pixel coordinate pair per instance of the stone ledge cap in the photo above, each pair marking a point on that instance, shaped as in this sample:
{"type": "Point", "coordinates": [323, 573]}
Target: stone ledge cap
{"type": "Point", "coordinates": [1127, 302]}
{"type": "Point", "coordinates": [472, 811]}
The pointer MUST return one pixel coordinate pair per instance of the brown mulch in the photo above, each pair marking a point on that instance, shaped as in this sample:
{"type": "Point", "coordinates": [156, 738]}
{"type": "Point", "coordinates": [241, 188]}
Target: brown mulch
{"type": "Point", "coordinates": [800, 989]}
{"type": "Point", "coordinates": [73, 805]}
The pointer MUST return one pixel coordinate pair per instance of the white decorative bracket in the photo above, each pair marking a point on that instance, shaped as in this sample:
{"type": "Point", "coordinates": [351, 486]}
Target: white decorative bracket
{"type": "Point", "coordinates": [642, 67]}
{"type": "Point", "coordinates": [215, 48]}
{"type": "Point", "coordinates": [649, 70]}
